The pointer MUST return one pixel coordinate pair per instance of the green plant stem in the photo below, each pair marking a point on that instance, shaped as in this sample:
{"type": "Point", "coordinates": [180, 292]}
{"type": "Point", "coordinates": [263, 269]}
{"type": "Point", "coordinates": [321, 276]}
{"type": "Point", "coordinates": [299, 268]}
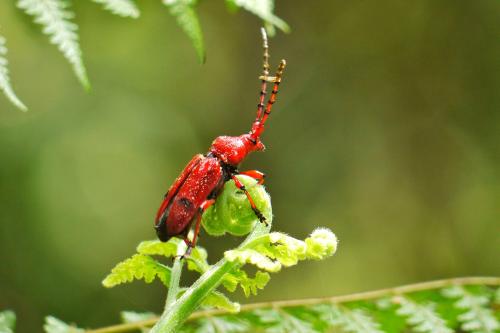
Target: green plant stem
{"type": "Point", "coordinates": [173, 317]}
{"type": "Point", "coordinates": [492, 281]}
{"type": "Point", "coordinates": [175, 277]}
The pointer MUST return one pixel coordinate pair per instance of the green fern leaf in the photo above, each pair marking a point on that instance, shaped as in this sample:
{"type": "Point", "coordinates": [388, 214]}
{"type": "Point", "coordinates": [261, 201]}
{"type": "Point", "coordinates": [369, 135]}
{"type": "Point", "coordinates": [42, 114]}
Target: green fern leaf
{"type": "Point", "coordinates": [54, 325]}
{"type": "Point", "coordinates": [286, 320]}
{"type": "Point", "coordinates": [196, 261]}
{"type": "Point", "coordinates": [7, 321]}
{"type": "Point", "coordinates": [477, 318]}
{"type": "Point", "coordinates": [125, 8]}
{"type": "Point", "coordinates": [138, 267]}
{"type": "Point", "coordinates": [223, 324]}
{"type": "Point", "coordinates": [421, 317]}
{"type": "Point", "coordinates": [248, 285]}
{"type": "Point", "coordinates": [55, 18]}
{"type": "Point", "coordinates": [218, 300]}
{"type": "Point", "coordinates": [183, 11]}
{"type": "Point", "coordinates": [5, 85]}
{"type": "Point", "coordinates": [249, 256]}
{"type": "Point", "coordinates": [155, 247]}
{"type": "Point", "coordinates": [355, 321]}
{"type": "Point", "coordinates": [131, 317]}
{"type": "Point", "coordinates": [264, 10]}
{"type": "Point", "coordinates": [134, 317]}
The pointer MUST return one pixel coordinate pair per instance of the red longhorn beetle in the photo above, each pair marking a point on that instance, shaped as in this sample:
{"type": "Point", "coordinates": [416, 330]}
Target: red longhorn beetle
{"type": "Point", "coordinates": [202, 179]}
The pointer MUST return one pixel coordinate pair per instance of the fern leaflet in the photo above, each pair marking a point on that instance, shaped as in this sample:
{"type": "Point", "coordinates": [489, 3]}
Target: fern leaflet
{"type": "Point", "coordinates": [421, 317]}
{"type": "Point", "coordinates": [54, 325]}
{"type": "Point", "coordinates": [138, 267]}
{"type": "Point", "coordinates": [264, 10]}
{"type": "Point", "coordinates": [125, 8]}
{"type": "Point", "coordinates": [477, 318]}
{"type": "Point", "coordinates": [55, 18]}
{"type": "Point", "coordinates": [184, 12]}
{"type": "Point", "coordinates": [5, 85]}
{"type": "Point", "coordinates": [285, 320]}
{"type": "Point", "coordinates": [7, 321]}
{"type": "Point", "coordinates": [355, 321]}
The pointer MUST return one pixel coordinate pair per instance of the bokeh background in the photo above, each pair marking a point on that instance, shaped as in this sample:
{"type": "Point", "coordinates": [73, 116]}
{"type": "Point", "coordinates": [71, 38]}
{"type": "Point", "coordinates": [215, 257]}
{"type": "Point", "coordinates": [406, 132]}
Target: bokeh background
{"type": "Point", "coordinates": [387, 131]}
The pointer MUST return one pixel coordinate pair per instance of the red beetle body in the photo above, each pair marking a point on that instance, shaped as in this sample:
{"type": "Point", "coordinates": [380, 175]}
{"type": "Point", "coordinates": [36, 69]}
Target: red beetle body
{"type": "Point", "coordinates": [202, 179]}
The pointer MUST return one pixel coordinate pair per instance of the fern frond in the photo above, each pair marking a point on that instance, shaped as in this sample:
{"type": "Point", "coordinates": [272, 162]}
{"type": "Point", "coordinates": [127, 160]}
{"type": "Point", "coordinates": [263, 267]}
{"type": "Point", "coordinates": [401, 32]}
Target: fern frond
{"type": "Point", "coordinates": [7, 321]}
{"type": "Point", "coordinates": [134, 317]}
{"type": "Point", "coordinates": [131, 317]}
{"type": "Point", "coordinates": [248, 285]}
{"type": "Point", "coordinates": [226, 324]}
{"type": "Point", "coordinates": [477, 318]}
{"type": "Point", "coordinates": [374, 311]}
{"type": "Point", "coordinates": [285, 320]}
{"type": "Point", "coordinates": [54, 325]}
{"type": "Point", "coordinates": [124, 8]}
{"type": "Point", "coordinates": [5, 85]}
{"type": "Point", "coordinates": [421, 317]}
{"type": "Point", "coordinates": [264, 10]}
{"type": "Point", "coordinates": [218, 300]}
{"type": "Point", "coordinates": [249, 256]}
{"type": "Point", "coordinates": [196, 261]}
{"type": "Point", "coordinates": [184, 12]}
{"type": "Point", "coordinates": [138, 267]}
{"type": "Point", "coordinates": [355, 321]}
{"type": "Point", "coordinates": [55, 18]}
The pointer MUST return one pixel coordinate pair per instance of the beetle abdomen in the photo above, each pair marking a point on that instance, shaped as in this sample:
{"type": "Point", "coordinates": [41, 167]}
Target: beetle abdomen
{"type": "Point", "coordinates": [204, 179]}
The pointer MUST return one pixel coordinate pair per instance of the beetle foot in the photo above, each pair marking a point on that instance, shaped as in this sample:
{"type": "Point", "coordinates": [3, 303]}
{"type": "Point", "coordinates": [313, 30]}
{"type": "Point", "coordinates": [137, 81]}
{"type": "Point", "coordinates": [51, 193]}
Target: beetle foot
{"type": "Point", "coordinates": [186, 255]}
{"type": "Point", "coordinates": [261, 217]}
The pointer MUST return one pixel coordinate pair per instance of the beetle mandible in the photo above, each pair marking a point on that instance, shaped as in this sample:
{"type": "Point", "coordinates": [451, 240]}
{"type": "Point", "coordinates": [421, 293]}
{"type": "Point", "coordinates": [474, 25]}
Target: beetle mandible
{"type": "Point", "coordinates": [202, 179]}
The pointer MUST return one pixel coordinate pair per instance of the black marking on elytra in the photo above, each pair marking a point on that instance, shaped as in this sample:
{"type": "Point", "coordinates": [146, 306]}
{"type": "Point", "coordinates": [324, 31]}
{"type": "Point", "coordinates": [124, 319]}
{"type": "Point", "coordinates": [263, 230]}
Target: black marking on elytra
{"type": "Point", "coordinates": [161, 228]}
{"type": "Point", "coordinates": [186, 202]}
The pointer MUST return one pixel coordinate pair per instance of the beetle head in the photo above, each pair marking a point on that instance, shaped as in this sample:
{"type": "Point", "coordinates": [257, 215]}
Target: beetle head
{"type": "Point", "coordinates": [233, 149]}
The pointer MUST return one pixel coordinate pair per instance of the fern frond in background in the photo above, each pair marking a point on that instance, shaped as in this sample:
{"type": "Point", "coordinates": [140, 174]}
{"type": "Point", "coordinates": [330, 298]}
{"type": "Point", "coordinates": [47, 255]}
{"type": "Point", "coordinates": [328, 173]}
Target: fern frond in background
{"type": "Point", "coordinates": [5, 85]}
{"type": "Point", "coordinates": [355, 321]}
{"type": "Point", "coordinates": [7, 321]}
{"type": "Point", "coordinates": [125, 8]}
{"type": "Point", "coordinates": [55, 18]}
{"type": "Point", "coordinates": [476, 316]}
{"type": "Point", "coordinates": [187, 18]}
{"type": "Point", "coordinates": [264, 10]}
{"type": "Point", "coordinates": [54, 325]}
{"type": "Point", "coordinates": [434, 307]}
{"type": "Point", "coordinates": [421, 317]}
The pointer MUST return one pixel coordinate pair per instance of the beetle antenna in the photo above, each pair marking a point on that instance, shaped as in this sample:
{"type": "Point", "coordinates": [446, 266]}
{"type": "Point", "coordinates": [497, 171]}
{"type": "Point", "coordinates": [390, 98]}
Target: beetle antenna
{"type": "Point", "coordinates": [265, 74]}
{"type": "Point", "coordinates": [259, 125]}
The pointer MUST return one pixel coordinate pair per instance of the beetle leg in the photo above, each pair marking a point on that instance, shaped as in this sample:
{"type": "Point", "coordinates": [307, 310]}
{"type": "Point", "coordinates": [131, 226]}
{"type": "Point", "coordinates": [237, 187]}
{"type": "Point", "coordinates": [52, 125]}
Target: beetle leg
{"type": "Point", "coordinates": [203, 207]}
{"type": "Point", "coordinates": [255, 174]}
{"type": "Point", "coordinates": [257, 212]}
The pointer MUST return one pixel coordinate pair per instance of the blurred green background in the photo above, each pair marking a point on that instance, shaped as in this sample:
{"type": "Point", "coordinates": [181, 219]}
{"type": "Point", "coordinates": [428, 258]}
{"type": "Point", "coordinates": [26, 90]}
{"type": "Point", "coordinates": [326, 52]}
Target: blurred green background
{"type": "Point", "coordinates": [386, 130]}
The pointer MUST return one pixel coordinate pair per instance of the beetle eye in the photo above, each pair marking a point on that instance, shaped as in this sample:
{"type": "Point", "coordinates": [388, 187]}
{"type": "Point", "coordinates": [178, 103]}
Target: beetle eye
{"type": "Point", "coordinates": [252, 140]}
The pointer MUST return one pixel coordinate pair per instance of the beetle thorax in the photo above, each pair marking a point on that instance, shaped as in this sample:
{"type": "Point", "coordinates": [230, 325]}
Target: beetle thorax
{"type": "Point", "coordinates": [232, 150]}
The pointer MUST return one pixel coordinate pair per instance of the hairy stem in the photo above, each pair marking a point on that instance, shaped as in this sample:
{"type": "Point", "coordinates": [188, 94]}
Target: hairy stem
{"type": "Point", "coordinates": [175, 277]}
{"type": "Point", "coordinates": [179, 311]}
{"type": "Point", "coordinates": [493, 281]}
